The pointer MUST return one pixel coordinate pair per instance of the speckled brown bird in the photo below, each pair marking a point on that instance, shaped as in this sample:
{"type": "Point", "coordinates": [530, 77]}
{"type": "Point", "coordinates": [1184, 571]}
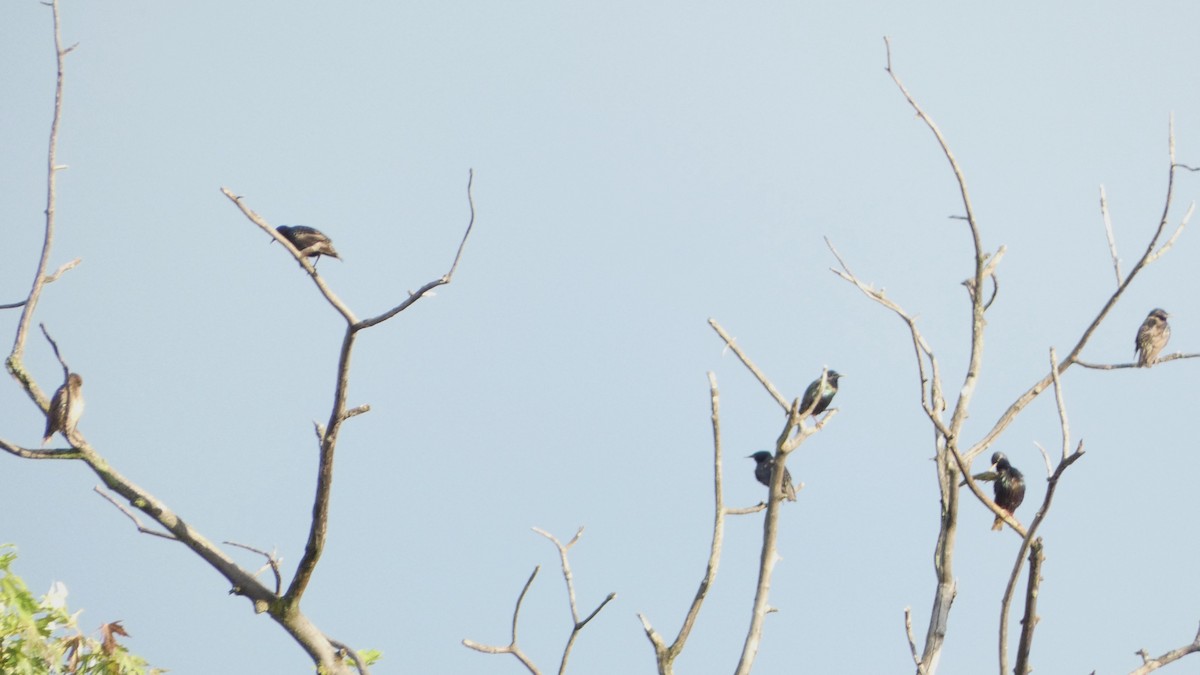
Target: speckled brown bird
{"type": "Point", "coordinates": [764, 464]}
{"type": "Point", "coordinates": [66, 407]}
{"type": "Point", "coordinates": [1009, 488]}
{"type": "Point", "coordinates": [308, 240]}
{"type": "Point", "coordinates": [1151, 338]}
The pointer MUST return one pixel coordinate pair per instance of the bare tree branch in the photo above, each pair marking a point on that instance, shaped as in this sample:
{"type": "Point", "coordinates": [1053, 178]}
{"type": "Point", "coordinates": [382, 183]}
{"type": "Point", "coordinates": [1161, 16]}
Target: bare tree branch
{"type": "Point", "coordinates": [1026, 542]}
{"type": "Point", "coordinates": [794, 433]}
{"type": "Point", "coordinates": [1118, 366]}
{"type": "Point", "coordinates": [272, 562]}
{"type": "Point", "coordinates": [912, 641]}
{"type": "Point", "coordinates": [51, 278]}
{"type": "Point", "coordinates": [665, 655]}
{"type": "Point", "coordinates": [422, 291]}
{"type": "Point", "coordinates": [1152, 664]}
{"type": "Point", "coordinates": [258, 220]}
{"type": "Point", "coordinates": [1108, 232]}
{"type": "Point", "coordinates": [758, 374]}
{"type": "Point", "coordinates": [133, 516]}
{"type": "Point", "coordinates": [35, 453]}
{"type": "Point", "coordinates": [52, 169]}
{"type": "Point", "coordinates": [1153, 252]}
{"type": "Point", "coordinates": [511, 647]}
{"type": "Point", "coordinates": [570, 579]}
{"type": "Point", "coordinates": [350, 653]}
{"type": "Point", "coordinates": [1029, 621]}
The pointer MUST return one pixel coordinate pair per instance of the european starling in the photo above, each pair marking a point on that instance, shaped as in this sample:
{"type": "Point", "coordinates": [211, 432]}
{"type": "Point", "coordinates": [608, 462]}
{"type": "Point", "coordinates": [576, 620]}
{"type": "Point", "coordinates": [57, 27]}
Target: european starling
{"type": "Point", "coordinates": [65, 409]}
{"type": "Point", "coordinates": [764, 465]}
{"type": "Point", "coordinates": [1151, 338]}
{"type": "Point", "coordinates": [309, 241]}
{"type": "Point", "coordinates": [1009, 487]}
{"type": "Point", "coordinates": [831, 388]}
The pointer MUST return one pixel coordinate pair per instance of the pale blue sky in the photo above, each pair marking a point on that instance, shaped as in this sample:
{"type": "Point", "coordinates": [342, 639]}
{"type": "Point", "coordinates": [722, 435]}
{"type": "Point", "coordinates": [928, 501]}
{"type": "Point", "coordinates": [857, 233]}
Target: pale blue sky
{"type": "Point", "coordinates": [639, 169]}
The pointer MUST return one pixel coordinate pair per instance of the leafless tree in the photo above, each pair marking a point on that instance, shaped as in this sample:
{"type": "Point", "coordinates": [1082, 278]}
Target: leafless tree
{"type": "Point", "coordinates": [283, 605]}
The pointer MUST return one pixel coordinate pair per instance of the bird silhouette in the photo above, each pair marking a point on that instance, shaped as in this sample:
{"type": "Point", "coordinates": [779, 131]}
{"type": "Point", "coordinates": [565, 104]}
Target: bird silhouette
{"type": "Point", "coordinates": [66, 407]}
{"type": "Point", "coordinates": [810, 394]}
{"type": "Point", "coordinates": [1009, 488]}
{"type": "Point", "coordinates": [1151, 338]}
{"type": "Point", "coordinates": [309, 241]}
{"type": "Point", "coordinates": [764, 464]}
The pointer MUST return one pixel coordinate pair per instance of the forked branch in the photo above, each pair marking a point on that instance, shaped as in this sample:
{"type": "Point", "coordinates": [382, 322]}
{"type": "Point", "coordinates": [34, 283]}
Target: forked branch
{"type": "Point", "coordinates": [1151, 664]}
{"type": "Point", "coordinates": [512, 647]}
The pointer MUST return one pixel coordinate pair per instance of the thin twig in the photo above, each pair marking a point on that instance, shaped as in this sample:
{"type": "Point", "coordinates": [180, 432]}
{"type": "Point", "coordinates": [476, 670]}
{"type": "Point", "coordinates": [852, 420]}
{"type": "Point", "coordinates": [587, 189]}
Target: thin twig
{"type": "Point", "coordinates": [570, 579]}
{"type": "Point", "coordinates": [1063, 424]}
{"type": "Point", "coordinates": [258, 220]}
{"type": "Point", "coordinates": [445, 279]}
{"type": "Point", "coordinates": [1045, 458]}
{"type": "Point", "coordinates": [58, 355]}
{"type": "Point", "coordinates": [1108, 232]}
{"type": "Point", "coordinates": [359, 663]}
{"type": "Point", "coordinates": [1152, 253]}
{"type": "Point", "coordinates": [52, 169]}
{"type": "Point", "coordinates": [39, 453]}
{"type": "Point", "coordinates": [132, 516]}
{"type": "Point", "coordinates": [912, 640]}
{"type": "Point", "coordinates": [471, 223]}
{"type": "Point", "coordinates": [1118, 366]}
{"type": "Point", "coordinates": [932, 401]}
{"type": "Point", "coordinates": [758, 374]}
{"type": "Point", "coordinates": [1026, 542]}
{"type": "Point", "coordinates": [1151, 664]}
{"type": "Point", "coordinates": [272, 563]}
{"type": "Point", "coordinates": [63, 269]}
{"type": "Point", "coordinates": [665, 655]}
{"type": "Point", "coordinates": [511, 647]}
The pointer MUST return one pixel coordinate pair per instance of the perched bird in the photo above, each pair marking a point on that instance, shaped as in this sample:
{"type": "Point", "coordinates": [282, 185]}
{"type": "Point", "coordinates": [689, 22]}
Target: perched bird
{"type": "Point", "coordinates": [65, 408]}
{"type": "Point", "coordinates": [810, 394]}
{"type": "Point", "coordinates": [1151, 338]}
{"type": "Point", "coordinates": [308, 240]}
{"type": "Point", "coordinates": [1009, 487]}
{"type": "Point", "coordinates": [764, 464]}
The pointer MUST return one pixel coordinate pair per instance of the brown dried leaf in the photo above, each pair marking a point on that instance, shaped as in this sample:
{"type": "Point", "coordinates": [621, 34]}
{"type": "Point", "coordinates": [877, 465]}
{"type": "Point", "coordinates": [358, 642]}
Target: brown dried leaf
{"type": "Point", "coordinates": [108, 639]}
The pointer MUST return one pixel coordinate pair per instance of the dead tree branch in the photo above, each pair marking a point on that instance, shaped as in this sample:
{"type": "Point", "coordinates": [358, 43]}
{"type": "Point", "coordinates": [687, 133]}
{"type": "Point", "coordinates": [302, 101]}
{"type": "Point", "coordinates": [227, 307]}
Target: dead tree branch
{"type": "Point", "coordinates": [1029, 621]}
{"type": "Point", "coordinates": [1108, 232]}
{"type": "Point", "coordinates": [664, 654]}
{"type": "Point", "coordinates": [52, 169]}
{"type": "Point", "coordinates": [795, 431]}
{"type": "Point", "coordinates": [133, 516]}
{"type": "Point", "coordinates": [1117, 366]}
{"type": "Point", "coordinates": [1154, 250]}
{"type": "Point", "coordinates": [511, 647]}
{"type": "Point", "coordinates": [273, 563]}
{"type": "Point", "coordinates": [283, 609]}
{"type": "Point", "coordinates": [1152, 664]}
{"type": "Point", "coordinates": [758, 374]}
{"type": "Point", "coordinates": [578, 624]}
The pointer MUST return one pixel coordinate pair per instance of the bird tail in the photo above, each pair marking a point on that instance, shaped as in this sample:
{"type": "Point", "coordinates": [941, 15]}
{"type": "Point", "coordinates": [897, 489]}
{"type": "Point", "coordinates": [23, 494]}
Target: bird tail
{"type": "Point", "coordinates": [789, 491]}
{"type": "Point", "coordinates": [46, 439]}
{"type": "Point", "coordinates": [998, 525]}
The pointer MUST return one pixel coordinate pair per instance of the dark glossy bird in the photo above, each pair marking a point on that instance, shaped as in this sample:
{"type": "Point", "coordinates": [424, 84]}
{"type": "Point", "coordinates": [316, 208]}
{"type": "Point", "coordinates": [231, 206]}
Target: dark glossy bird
{"type": "Point", "coordinates": [1151, 338]}
{"type": "Point", "coordinates": [810, 394]}
{"type": "Point", "coordinates": [309, 241]}
{"type": "Point", "coordinates": [764, 464]}
{"type": "Point", "coordinates": [1009, 488]}
{"type": "Point", "coordinates": [65, 408]}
